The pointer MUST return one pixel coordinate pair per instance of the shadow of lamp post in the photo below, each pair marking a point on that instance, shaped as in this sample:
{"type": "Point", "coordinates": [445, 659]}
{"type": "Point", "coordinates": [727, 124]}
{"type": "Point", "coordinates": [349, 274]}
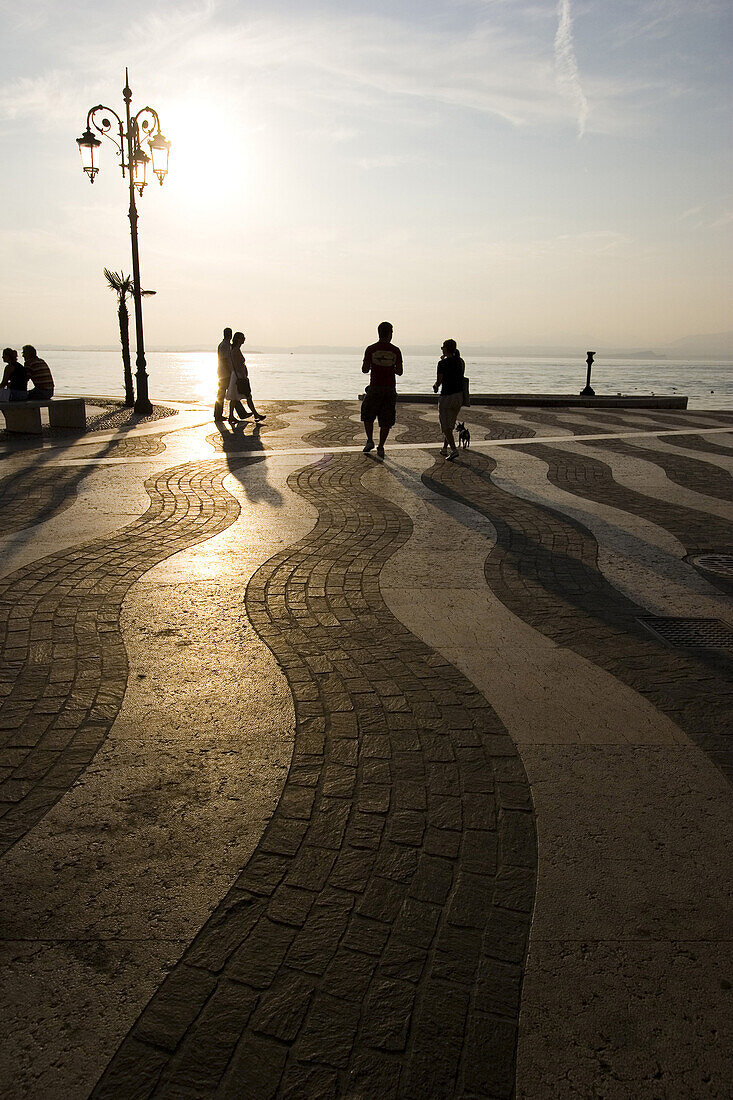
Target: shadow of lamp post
{"type": "Point", "coordinates": [588, 392]}
{"type": "Point", "coordinates": [130, 138]}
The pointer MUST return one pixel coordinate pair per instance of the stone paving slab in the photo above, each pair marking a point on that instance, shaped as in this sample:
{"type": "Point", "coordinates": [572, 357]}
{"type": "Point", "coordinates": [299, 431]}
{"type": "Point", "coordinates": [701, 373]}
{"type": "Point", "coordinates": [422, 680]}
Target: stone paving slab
{"type": "Point", "coordinates": [631, 861]}
{"type": "Point", "coordinates": [349, 696]}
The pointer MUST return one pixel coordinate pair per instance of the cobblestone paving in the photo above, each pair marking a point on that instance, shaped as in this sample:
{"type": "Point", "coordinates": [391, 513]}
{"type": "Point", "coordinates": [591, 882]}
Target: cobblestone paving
{"type": "Point", "coordinates": [704, 443]}
{"type": "Point", "coordinates": [134, 446]}
{"type": "Point", "coordinates": [700, 476]}
{"type": "Point", "coordinates": [497, 428]}
{"type": "Point", "coordinates": [63, 666]}
{"type": "Point", "coordinates": [31, 496]}
{"type": "Point", "coordinates": [414, 428]}
{"type": "Point", "coordinates": [228, 440]}
{"type": "Point", "coordinates": [373, 946]}
{"type": "Point", "coordinates": [695, 419]}
{"type": "Point", "coordinates": [118, 416]}
{"type": "Point", "coordinates": [338, 429]}
{"type": "Point", "coordinates": [35, 494]}
{"type": "Point", "coordinates": [593, 479]}
{"type": "Point", "coordinates": [544, 569]}
{"type": "Point", "coordinates": [25, 444]}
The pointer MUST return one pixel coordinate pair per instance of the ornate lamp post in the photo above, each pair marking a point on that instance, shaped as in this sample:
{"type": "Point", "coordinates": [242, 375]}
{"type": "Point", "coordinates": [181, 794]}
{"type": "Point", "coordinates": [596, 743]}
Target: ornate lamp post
{"type": "Point", "coordinates": [130, 138]}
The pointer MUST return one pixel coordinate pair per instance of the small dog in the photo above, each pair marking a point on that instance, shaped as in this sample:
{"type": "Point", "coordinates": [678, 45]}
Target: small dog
{"type": "Point", "coordinates": [464, 436]}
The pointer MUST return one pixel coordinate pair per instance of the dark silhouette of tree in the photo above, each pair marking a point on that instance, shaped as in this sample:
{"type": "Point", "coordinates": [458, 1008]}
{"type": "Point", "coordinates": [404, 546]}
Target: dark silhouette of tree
{"type": "Point", "coordinates": [123, 286]}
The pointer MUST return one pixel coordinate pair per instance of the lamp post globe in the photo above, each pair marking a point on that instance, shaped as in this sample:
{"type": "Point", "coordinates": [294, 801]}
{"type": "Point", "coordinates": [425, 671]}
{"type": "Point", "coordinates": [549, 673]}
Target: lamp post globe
{"type": "Point", "coordinates": [159, 149]}
{"type": "Point", "coordinates": [140, 162]}
{"type": "Point", "coordinates": [88, 145]}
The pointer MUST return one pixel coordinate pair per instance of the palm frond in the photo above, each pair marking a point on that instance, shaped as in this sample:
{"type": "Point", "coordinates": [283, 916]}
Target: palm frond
{"type": "Point", "coordinates": [118, 281]}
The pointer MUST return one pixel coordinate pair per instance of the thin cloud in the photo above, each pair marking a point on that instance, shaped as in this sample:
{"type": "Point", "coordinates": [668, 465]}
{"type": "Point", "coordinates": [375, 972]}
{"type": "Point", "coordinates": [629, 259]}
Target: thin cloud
{"type": "Point", "coordinates": [566, 67]}
{"type": "Point", "coordinates": [659, 19]}
{"type": "Point", "coordinates": [334, 72]}
{"type": "Point", "coordinates": [45, 96]}
{"type": "Point", "coordinates": [691, 213]}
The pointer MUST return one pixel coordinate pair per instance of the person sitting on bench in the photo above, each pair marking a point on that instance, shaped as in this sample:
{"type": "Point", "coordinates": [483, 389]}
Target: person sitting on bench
{"type": "Point", "coordinates": [40, 375]}
{"type": "Point", "coordinates": [15, 378]}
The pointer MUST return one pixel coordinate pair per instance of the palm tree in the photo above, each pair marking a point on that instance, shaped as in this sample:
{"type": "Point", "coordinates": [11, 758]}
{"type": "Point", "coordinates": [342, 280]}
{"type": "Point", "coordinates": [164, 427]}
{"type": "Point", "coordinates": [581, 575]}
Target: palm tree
{"type": "Point", "coordinates": [123, 285]}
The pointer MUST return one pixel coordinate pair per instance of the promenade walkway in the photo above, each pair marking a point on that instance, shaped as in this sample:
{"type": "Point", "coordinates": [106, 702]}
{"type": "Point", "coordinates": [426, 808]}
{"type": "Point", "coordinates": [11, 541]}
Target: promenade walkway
{"type": "Point", "coordinates": [328, 777]}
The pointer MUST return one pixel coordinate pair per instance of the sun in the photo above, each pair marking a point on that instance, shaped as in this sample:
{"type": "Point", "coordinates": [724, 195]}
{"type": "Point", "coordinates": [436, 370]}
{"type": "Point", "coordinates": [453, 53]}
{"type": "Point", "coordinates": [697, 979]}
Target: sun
{"type": "Point", "coordinates": [208, 158]}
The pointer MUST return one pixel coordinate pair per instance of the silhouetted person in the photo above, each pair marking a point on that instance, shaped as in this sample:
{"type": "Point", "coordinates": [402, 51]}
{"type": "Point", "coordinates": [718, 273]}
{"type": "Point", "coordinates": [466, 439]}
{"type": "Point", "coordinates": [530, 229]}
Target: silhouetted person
{"type": "Point", "coordinates": [239, 368]}
{"type": "Point", "coordinates": [382, 362]}
{"type": "Point", "coordinates": [39, 373]}
{"type": "Point", "coordinates": [451, 372]}
{"type": "Point", "coordinates": [14, 385]}
{"type": "Point", "coordinates": [224, 372]}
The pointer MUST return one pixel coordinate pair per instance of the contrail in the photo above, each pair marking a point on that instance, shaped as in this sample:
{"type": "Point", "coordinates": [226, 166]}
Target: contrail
{"type": "Point", "coordinates": [566, 67]}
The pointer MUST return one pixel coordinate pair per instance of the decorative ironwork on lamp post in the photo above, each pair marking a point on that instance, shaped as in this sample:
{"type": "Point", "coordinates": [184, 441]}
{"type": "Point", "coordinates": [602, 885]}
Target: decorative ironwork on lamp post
{"type": "Point", "coordinates": [130, 139]}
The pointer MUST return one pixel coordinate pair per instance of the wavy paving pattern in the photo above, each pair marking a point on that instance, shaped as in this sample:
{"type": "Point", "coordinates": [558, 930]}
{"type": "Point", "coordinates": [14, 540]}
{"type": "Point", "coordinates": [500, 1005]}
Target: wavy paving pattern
{"type": "Point", "coordinates": [139, 446]}
{"type": "Point", "coordinates": [544, 569]}
{"type": "Point", "coordinates": [415, 426]}
{"type": "Point", "coordinates": [705, 443]}
{"type": "Point", "coordinates": [374, 944]}
{"type": "Point", "coordinates": [696, 421]}
{"type": "Point", "coordinates": [228, 440]}
{"type": "Point", "coordinates": [63, 666]}
{"type": "Point", "coordinates": [592, 479]}
{"type": "Point", "coordinates": [497, 429]}
{"type": "Point", "coordinates": [700, 476]}
{"type": "Point", "coordinates": [338, 429]}
{"type": "Point", "coordinates": [30, 496]}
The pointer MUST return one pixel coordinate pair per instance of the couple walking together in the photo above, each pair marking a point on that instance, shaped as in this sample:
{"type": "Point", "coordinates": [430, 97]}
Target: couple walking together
{"type": "Point", "coordinates": [234, 381]}
{"type": "Point", "coordinates": [383, 362]}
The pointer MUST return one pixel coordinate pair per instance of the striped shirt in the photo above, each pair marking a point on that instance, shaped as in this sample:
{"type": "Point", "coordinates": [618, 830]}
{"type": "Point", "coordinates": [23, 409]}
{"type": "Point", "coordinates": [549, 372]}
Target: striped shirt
{"type": "Point", "coordinates": [40, 374]}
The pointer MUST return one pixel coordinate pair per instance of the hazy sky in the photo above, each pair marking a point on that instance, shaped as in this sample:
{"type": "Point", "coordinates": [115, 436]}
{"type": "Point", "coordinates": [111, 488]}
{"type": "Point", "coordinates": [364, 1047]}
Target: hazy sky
{"type": "Point", "coordinates": [499, 170]}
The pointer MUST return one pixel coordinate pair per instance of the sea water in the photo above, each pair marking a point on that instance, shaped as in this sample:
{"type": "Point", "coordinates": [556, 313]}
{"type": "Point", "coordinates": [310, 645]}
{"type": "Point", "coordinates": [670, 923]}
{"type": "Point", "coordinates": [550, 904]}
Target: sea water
{"type": "Point", "coordinates": [191, 376]}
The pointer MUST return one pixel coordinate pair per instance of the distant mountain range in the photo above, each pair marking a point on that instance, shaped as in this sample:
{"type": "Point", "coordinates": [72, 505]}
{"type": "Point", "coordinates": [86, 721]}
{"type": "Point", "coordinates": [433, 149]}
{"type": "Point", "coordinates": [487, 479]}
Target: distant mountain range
{"type": "Point", "coordinates": [718, 345]}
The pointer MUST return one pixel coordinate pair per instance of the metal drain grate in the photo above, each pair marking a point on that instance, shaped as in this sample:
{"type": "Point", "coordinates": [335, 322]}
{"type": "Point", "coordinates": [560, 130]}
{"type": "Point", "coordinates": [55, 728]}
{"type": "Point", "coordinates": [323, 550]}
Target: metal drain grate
{"type": "Point", "coordinates": [720, 565]}
{"type": "Point", "coordinates": [689, 633]}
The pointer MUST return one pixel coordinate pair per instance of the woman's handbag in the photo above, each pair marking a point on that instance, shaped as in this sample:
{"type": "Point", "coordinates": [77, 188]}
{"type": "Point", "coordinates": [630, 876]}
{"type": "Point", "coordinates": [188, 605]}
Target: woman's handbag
{"type": "Point", "coordinates": [232, 393]}
{"type": "Point", "coordinates": [242, 385]}
{"type": "Point", "coordinates": [466, 394]}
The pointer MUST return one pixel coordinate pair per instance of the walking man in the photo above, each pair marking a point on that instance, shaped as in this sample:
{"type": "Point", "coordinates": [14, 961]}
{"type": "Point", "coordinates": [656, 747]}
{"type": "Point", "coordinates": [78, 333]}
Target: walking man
{"type": "Point", "coordinates": [382, 362]}
{"type": "Point", "coordinates": [224, 372]}
{"type": "Point", "coordinates": [451, 372]}
{"type": "Point", "coordinates": [240, 369]}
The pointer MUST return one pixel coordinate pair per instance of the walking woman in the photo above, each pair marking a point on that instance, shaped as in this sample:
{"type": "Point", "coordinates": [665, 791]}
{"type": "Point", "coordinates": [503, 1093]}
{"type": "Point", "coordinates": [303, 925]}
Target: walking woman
{"type": "Point", "coordinates": [239, 385]}
{"type": "Point", "coordinates": [451, 372]}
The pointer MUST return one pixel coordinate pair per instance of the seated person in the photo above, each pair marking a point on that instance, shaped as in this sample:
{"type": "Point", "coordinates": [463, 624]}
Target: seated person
{"type": "Point", "coordinates": [40, 375]}
{"type": "Point", "coordinates": [15, 378]}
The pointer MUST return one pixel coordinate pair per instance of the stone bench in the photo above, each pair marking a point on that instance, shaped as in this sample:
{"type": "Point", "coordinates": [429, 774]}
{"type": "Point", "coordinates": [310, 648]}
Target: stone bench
{"type": "Point", "coordinates": [63, 412]}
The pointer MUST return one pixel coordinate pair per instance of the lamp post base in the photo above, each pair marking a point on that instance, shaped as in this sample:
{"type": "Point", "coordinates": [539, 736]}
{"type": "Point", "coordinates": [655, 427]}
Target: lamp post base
{"type": "Point", "coordinates": [143, 406]}
{"type": "Point", "coordinates": [587, 392]}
